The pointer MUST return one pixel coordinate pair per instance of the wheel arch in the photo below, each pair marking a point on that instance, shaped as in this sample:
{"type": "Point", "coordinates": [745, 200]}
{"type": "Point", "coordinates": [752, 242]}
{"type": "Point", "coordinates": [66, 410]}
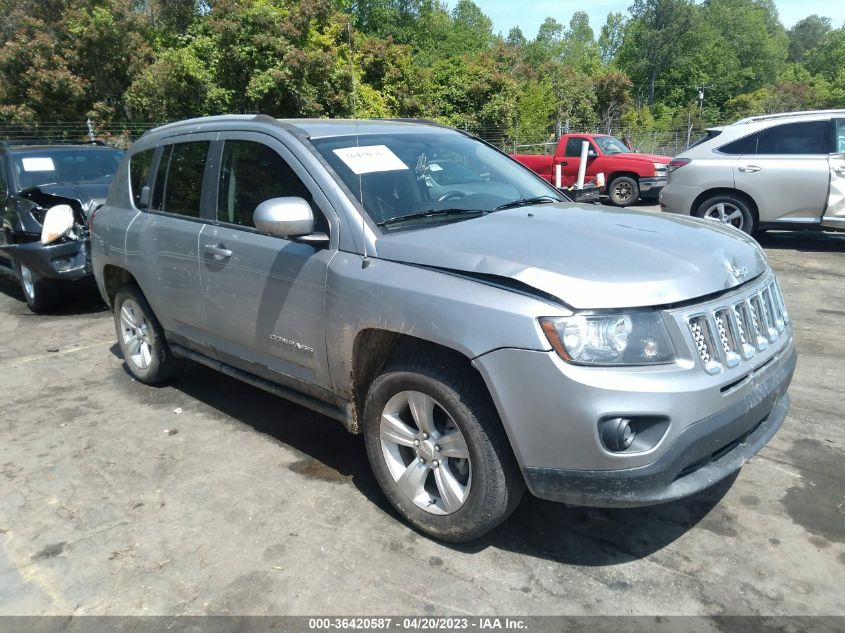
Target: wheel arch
{"type": "Point", "coordinates": [719, 191]}
{"type": "Point", "coordinates": [375, 348]}
{"type": "Point", "coordinates": [622, 173]}
{"type": "Point", "coordinates": [113, 278]}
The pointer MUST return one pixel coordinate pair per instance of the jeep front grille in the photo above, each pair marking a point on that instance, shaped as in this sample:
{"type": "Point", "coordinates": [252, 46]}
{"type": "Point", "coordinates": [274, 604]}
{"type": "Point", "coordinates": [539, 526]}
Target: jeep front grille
{"type": "Point", "coordinates": [726, 335]}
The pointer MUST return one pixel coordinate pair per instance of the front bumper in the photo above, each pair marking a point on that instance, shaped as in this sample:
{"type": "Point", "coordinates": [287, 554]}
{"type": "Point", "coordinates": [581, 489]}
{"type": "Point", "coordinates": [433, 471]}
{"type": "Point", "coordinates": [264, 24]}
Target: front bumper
{"type": "Point", "coordinates": [702, 455]}
{"type": "Point", "coordinates": [67, 260]}
{"type": "Point", "coordinates": [650, 187]}
{"type": "Point", "coordinates": [552, 410]}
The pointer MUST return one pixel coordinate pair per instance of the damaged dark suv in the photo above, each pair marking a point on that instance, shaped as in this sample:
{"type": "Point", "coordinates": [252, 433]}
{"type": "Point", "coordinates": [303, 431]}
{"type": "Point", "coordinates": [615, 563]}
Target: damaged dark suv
{"type": "Point", "coordinates": [47, 193]}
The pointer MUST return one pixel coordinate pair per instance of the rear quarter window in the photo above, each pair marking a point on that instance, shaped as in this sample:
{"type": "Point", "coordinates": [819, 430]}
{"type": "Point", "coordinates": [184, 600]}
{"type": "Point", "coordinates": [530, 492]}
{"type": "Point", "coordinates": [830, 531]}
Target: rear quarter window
{"type": "Point", "coordinates": [739, 147]}
{"type": "Point", "coordinates": [139, 174]}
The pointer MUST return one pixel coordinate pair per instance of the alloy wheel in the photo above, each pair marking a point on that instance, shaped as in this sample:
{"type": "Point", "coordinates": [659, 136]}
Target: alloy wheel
{"type": "Point", "coordinates": [137, 334]}
{"type": "Point", "coordinates": [425, 452]}
{"type": "Point", "coordinates": [28, 282]}
{"type": "Point", "coordinates": [725, 213]}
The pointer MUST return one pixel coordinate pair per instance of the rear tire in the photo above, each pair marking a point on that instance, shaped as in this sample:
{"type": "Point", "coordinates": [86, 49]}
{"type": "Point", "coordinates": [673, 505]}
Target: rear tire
{"type": "Point", "coordinates": [728, 209]}
{"type": "Point", "coordinates": [461, 479]}
{"type": "Point", "coordinates": [40, 294]}
{"type": "Point", "coordinates": [623, 191]}
{"type": "Point", "coordinates": [141, 339]}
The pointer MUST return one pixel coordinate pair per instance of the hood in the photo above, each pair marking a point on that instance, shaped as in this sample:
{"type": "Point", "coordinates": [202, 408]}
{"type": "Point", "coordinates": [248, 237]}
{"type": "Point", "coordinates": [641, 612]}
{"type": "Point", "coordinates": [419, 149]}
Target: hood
{"type": "Point", "coordinates": [646, 158]}
{"type": "Point", "coordinates": [588, 257]}
{"type": "Point", "coordinates": [88, 194]}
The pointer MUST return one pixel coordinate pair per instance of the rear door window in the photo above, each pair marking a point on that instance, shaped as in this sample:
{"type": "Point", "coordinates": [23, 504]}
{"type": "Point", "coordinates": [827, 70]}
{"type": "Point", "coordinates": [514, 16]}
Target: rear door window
{"type": "Point", "coordinates": [178, 185]}
{"type": "Point", "coordinates": [812, 137]}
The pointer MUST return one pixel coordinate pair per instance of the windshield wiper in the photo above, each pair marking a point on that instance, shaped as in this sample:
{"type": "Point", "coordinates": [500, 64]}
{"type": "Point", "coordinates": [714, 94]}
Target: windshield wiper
{"type": "Point", "coordinates": [430, 213]}
{"type": "Point", "coordinates": [524, 202]}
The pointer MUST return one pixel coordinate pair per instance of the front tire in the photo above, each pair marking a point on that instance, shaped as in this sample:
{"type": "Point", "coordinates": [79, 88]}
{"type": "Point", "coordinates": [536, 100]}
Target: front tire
{"type": "Point", "coordinates": [439, 451]}
{"type": "Point", "coordinates": [40, 294]}
{"type": "Point", "coordinates": [623, 191]}
{"type": "Point", "coordinates": [141, 339]}
{"type": "Point", "coordinates": [727, 209]}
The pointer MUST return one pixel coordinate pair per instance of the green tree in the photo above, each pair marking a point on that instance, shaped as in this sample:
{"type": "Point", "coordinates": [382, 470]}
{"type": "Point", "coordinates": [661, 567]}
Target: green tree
{"type": "Point", "coordinates": [755, 35]}
{"type": "Point", "coordinates": [806, 35]}
{"type": "Point", "coordinates": [613, 97]}
{"type": "Point", "coordinates": [67, 61]}
{"type": "Point", "coordinates": [535, 112]}
{"type": "Point", "coordinates": [611, 37]}
{"type": "Point", "coordinates": [654, 39]}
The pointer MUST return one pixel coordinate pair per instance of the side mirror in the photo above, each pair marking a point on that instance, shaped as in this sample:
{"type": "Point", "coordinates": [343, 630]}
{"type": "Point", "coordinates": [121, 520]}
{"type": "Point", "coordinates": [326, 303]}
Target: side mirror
{"type": "Point", "coordinates": [58, 222]}
{"type": "Point", "coordinates": [284, 217]}
{"type": "Point", "coordinates": [591, 153]}
{"type": "Point", "coordinates": [144, 197]}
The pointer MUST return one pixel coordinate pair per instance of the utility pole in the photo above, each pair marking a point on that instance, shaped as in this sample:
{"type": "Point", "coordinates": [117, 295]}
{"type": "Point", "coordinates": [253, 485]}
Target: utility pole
{"type": "Point", "coordinates": [352, 72]}
{"type": "Point", "coordinates": [701, 105]}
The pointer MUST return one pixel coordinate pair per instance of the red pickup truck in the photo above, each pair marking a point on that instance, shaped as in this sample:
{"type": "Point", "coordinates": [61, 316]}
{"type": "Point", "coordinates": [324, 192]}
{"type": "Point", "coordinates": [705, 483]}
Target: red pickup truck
{"type": "Point", "coordinates": [628, 176]}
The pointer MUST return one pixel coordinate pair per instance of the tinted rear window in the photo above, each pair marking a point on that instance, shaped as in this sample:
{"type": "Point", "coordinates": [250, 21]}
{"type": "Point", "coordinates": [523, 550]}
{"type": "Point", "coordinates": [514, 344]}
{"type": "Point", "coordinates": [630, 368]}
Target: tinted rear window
{"type": "Point", "coordinates": [178, 186]}
{"type": "Point", "coordinates": [139, 173]}
{"type": "Point", "coordinates": [740, 147]}
{"type": "Point", "coordinates": [812, 137]}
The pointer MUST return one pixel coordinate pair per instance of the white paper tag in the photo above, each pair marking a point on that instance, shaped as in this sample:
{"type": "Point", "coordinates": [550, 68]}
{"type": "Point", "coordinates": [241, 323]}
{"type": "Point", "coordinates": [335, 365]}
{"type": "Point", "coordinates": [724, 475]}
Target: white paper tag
{"type": "Point", "coordinates": [435, 167]}
{"type": "Point", "coordinates": [38, 164]}
{"type": "Point", "coordinates": [369, 159]}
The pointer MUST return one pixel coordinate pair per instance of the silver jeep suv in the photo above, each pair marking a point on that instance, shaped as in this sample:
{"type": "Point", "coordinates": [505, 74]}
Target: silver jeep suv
{"type": "Point", "coordinates": [784, 171]}
{"type": "Point", "coordinates": [483, 339]}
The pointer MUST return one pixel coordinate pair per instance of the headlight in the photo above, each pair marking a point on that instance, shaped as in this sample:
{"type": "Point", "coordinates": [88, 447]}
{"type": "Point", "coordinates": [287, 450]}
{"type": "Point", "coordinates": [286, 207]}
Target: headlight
{"type": "Point", "coordinates": [635, 338]}
{"type": "Point", "coordinates": [660, 167]}
{"type": "Point", "coordinates": [57, 223]}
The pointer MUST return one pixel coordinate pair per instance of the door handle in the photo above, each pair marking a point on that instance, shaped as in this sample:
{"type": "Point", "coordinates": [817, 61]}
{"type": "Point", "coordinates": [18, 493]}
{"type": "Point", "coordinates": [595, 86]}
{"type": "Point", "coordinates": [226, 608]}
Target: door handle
{"type": "Point", "coordinates": [218, 251]}
{"type": "Point", "coordinates": [750, 169]}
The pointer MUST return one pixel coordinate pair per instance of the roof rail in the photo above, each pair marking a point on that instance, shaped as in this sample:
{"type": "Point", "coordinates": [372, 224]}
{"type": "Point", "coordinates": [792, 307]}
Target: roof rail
{"type": "Point", "coordinates": [203, 119]}
{"type": "Point", "coordinates": [420, 122]}
{"type": "Point", "coordinates": [786, 115]}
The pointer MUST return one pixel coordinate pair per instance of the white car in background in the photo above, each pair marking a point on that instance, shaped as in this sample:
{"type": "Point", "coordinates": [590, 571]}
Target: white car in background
{"type": "Point", "coordinates": [780, 171]}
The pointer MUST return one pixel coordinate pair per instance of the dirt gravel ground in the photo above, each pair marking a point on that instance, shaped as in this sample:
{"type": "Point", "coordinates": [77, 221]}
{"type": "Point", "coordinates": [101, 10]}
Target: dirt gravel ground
{"type": "Point", "coordinates": [210, 496]}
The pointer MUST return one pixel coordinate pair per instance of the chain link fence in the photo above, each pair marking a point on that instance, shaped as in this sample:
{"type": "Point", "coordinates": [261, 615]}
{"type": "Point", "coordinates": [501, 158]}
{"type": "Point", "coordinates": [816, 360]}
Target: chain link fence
{"type": "Point", "coordinates": [117, 134]}
{"type": "Point", "coordinates": [122, 134]}
{"type": "Point", "coordinates": [663, 142]}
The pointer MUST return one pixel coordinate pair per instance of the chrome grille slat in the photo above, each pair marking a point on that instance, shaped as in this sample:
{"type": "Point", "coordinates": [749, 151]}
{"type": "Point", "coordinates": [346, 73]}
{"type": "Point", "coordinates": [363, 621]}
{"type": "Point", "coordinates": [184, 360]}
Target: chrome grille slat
{"type": "Point", "coordinates": [725, 335]}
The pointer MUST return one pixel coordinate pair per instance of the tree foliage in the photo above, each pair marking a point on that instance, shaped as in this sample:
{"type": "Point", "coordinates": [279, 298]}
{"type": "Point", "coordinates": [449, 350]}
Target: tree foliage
{"type": "Point", "coordinates": [159, 60]}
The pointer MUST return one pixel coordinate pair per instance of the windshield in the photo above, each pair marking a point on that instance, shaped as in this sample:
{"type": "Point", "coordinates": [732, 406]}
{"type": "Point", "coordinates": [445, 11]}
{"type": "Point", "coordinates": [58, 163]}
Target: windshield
{"type": "Point", "coordinates": [38, 168]}
{"type": "Point", "coordinates": [611, 145]}
{"type": "Point", "coordinates": [432, 176]}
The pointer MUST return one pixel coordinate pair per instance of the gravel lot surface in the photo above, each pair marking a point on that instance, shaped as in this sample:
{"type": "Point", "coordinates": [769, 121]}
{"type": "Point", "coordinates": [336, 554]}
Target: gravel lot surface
{"type": "Point", "coordinates": [210, 496]}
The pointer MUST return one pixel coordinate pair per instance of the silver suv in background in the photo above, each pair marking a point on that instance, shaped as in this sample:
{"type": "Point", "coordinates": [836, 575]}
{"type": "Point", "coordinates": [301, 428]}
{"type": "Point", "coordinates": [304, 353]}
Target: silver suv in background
{"type": "Point", "coordinates": [483, 338]}
{"type": "Point", "coordinates": [784, 171]}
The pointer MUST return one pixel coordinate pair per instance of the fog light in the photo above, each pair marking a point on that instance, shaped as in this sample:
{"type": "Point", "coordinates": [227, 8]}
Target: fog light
{"type": "Point", "coordinates": [61, 264]}
{"type": "Point", "coordinates": [617, 434]}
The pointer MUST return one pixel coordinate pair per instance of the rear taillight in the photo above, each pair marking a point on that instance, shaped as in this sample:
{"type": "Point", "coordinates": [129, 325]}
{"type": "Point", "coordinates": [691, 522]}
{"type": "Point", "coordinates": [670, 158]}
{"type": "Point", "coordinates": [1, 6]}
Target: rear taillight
{"type": "Point", "coordinates": [677, 163]}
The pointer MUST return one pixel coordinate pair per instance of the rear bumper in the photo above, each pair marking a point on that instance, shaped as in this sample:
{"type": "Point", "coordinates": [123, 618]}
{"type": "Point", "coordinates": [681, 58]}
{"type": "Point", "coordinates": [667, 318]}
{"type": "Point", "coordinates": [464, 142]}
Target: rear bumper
{"type": "Point", "coordinates": [650, 187]}
{"type": "Point", "coordinates": [705, 453]}
{"type": "Point", "coordinates": [66, 260]}
{"type": "Point", "coordinates": [678, 198]}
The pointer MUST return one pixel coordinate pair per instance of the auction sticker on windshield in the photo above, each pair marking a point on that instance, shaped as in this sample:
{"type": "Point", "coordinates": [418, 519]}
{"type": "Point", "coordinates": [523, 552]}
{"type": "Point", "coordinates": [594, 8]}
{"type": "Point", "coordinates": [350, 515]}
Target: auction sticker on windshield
{"type": "Point", "coordinates": [38, 164]}
{"type": "Point", "coordinates": [369, 159]}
